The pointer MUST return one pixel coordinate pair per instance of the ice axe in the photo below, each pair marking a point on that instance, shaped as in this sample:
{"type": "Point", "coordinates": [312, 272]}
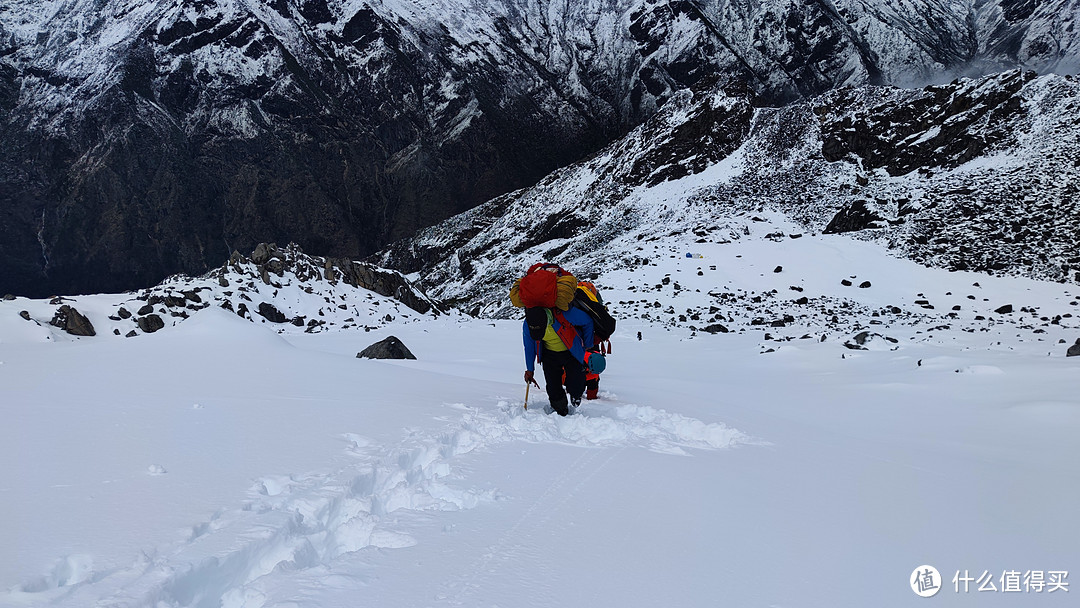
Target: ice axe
{"type": "Point", "coordinates": [527, 383]}
{"type": "Point", "coordinates": [526, 396]}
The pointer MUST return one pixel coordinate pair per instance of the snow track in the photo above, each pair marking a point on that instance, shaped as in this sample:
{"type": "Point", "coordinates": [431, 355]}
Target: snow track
{"type": "Point", "coordinates": [299, 523]}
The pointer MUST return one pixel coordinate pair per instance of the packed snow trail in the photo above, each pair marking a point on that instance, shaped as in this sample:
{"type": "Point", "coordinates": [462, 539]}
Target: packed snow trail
{"type": "Point", "coordinates": [298, 522]}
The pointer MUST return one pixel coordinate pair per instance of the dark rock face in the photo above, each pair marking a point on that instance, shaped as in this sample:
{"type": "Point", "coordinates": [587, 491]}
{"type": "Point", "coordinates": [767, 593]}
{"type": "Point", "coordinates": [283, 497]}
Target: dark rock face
{"type": "Point", "coordinates": [710, 133]}
{"type": "Point", "coordinates": [855, 216]}
{"type": "Point", "coordinates": [72, 321]}
{"type": "Point", "coordinates": [217, 125]}
{"type": "Point", "coordinates": [933, 129]}
{"type": "Point", "coordinates": [389, 348]}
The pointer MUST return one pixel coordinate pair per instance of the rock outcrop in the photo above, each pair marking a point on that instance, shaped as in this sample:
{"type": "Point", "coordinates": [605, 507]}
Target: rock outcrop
{"type": "Point", "coordinates": [1074, 350]}
{"type": "Point", "coordinates": [72, 321]}
{"type": "Point", "coordinates": [388, 348]}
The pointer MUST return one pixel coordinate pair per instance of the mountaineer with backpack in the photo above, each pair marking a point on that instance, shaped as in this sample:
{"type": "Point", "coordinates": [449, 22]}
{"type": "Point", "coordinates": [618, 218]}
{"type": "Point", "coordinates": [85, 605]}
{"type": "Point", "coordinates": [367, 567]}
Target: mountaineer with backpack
{"type": "Point", "coordinates": [554, 333]}
{"type": "Point", "coordinates": [557, 340]}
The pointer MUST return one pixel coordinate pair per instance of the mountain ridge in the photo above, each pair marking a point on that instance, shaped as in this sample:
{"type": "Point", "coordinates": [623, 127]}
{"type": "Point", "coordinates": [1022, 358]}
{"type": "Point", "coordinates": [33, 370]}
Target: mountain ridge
{"type": "Point", "coordinates": [975, 175]}
{"type": "Point", "coordinates": [147, 138]}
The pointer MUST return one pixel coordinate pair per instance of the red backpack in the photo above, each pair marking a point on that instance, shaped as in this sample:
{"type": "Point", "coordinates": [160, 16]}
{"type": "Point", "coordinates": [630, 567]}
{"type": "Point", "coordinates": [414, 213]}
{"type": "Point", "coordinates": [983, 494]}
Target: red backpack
{"type": "Point", "coordinates": [544, 286]}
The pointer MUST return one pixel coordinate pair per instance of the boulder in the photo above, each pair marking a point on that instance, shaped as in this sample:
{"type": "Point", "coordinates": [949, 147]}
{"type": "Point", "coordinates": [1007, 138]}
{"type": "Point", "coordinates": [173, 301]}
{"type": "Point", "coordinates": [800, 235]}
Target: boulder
{"type": "Point", "coordinates": [271, 313]}
{"type": "Point", "coordinates": [150, 323]}
{"type": "Point", "coordinates": [8, 297]}
{"type": "Point", "coordinates": [264, 252]}
{"type": "Point", "coordinates": [25, 314]}
{"type": "Point", "coordinates": [864, 340]}
{"type": "Point", "coordinates": [854, 217]}
{"type": "Point", "coordinates": [390, 348]}
{"type": "Point", "coordinates": [73, 322]}
{"type": "Point", "coordinates": [276, 266]}
{"type": "Point", "coordinates": [123, 313]}
{"type": "Point", "coordinates": [1074, 350]}
{"type": "Point", "coordinates": [1004, 310]}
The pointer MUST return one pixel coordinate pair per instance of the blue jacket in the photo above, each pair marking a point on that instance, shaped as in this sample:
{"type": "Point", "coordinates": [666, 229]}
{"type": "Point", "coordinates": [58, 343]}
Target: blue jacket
{"type": "Point", "coordinates": [583, 325]}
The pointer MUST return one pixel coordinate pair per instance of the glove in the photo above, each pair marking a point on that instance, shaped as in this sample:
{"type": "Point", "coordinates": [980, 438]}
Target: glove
{"type": "Point", "coordinates": [528, 378]}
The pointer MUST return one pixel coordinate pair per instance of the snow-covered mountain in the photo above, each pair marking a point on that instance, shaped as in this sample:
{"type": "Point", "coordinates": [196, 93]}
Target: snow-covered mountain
{"type": "Point", "coordinates": [977, 174]}
{"type": "Point", "coordinates": [148, 137]}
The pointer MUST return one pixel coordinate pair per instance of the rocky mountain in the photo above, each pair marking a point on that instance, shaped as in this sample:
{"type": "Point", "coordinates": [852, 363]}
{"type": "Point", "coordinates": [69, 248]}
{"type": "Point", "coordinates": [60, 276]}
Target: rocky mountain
{"type": "Point", "coordinates": [978, 174]}
{"type": "Point", "coordinates": [148, 137]}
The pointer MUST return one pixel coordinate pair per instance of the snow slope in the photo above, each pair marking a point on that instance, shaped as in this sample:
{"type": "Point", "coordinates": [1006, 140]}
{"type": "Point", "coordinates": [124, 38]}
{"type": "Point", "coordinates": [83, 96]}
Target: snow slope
{"type": "Point", "coordinates": [218, 463]}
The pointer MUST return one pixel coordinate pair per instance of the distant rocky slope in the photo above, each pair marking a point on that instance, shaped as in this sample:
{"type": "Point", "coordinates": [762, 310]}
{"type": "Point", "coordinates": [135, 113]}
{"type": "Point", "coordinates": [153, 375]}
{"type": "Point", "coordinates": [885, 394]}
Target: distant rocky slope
{"type": "Point", "coordinates": [282, 288]}
{"type": "Point", "coordinates": [145, 137]}
{"type": "Point", "coordinates": [980, 174]}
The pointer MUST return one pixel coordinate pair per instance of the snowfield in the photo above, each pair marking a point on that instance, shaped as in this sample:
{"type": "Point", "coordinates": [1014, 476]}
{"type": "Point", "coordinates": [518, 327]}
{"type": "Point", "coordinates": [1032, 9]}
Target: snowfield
{"type": "Point", "coordinates": [220, 462]}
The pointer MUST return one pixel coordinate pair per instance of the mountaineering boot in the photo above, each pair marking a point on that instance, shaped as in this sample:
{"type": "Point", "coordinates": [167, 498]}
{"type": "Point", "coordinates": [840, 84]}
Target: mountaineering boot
{"type": "Point", "coordinates": [592, 393]}
{"type": "Point", "coordinates": [560, 408]}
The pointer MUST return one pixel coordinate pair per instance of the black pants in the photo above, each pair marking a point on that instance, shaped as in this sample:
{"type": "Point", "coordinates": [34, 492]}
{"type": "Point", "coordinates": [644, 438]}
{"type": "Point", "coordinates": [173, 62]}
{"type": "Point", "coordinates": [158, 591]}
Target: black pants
{"type": "Point", "coordinates": [554, 364]}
